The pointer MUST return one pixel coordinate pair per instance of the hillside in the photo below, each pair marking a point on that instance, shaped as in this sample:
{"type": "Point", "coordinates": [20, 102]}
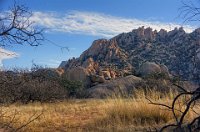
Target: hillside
{"type": "Point", "coordinates": [135, 53]}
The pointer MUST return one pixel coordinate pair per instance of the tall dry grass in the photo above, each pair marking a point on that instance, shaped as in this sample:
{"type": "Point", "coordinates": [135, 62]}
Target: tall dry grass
{"type": "Point", "coordinates": [114, 114]}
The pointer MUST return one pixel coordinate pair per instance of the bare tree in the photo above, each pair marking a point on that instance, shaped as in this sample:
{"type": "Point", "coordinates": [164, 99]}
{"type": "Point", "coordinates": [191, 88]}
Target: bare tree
{"type": "Point", "coordinates": [190, 11]}
{"type": "Point", "coordinates": [190, 101]}
{"type": "Point", "coordinates": [16, 27]}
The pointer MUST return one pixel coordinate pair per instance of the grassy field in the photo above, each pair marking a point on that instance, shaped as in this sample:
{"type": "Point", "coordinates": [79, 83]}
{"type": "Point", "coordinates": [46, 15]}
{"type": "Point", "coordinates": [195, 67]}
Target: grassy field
{"type": "Point", "coordinates": [132, 114]}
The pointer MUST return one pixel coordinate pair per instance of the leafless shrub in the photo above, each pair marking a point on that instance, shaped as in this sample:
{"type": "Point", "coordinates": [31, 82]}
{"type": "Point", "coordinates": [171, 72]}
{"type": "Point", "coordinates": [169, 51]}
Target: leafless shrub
{"type": "Point", "coordinates": [30, 86]}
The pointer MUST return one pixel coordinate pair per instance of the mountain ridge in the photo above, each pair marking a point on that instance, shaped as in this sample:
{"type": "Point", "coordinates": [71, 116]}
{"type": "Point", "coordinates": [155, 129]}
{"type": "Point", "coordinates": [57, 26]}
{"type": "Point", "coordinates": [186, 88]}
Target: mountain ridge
{"type": "Point", "coordinates": [124, 54]}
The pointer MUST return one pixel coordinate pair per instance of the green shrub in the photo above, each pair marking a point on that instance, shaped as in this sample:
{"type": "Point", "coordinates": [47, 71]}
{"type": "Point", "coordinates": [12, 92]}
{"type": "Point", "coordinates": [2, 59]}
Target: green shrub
{"type": "Point", "coordinates": [74, 88]}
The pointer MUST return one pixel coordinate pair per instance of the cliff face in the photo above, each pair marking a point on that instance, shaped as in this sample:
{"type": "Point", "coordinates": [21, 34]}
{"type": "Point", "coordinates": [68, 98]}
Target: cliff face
{"type": "Point", "coordinates": [125, 53]}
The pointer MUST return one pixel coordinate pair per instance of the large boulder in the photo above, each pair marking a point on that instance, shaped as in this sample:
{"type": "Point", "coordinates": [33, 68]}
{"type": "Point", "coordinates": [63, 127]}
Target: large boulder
{"type": "Point", "coordinates": [119, 86]}
{"type": "Point", "coordinates": [148, 68]}
{"type": "Point", "coordinates": [78, 74]}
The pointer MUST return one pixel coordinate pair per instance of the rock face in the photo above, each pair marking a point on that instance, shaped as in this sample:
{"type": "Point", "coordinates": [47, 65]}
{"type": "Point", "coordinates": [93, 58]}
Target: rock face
{"type": "Point", "coordinates": [104, 60]}
{"type": "Point", "coordinates": [169, 52]}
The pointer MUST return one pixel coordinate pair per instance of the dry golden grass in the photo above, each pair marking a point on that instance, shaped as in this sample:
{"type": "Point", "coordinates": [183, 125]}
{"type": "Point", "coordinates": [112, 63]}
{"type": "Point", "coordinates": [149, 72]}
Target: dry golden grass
{"type": "Point", "coordinates": [92, 114]}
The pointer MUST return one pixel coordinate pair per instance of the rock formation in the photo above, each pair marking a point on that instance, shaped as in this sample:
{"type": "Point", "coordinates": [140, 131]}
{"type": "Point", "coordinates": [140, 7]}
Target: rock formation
{"type": "Point", "coordinates": [148, 68]}
{"type": "Point", "coordinates": [173, 52]}
{"type": "Point", "coordinates": [120, 86]}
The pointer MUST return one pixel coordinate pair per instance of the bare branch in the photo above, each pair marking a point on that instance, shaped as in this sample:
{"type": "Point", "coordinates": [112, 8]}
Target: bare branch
{"type": "Point", "coordinates": [17, 28]}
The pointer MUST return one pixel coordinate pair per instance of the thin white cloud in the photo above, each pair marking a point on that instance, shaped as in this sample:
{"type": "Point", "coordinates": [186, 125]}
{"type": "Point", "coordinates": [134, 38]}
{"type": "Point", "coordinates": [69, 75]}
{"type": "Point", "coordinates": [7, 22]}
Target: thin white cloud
{"type": "Point", "coordinates": [96, 24]}
{"type": "Point", "coordinates": [5, 54]}
{"type": "Point", "coordinates": [49, 63]}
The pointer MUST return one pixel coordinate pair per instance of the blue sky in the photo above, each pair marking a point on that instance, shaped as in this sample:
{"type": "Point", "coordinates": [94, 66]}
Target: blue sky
{"type": "Point", "coordinates": [77, 23]}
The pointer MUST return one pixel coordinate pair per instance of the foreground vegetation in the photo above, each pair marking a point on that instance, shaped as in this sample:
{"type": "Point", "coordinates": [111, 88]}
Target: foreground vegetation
{"type": "Point", "coordinates": [44, 100]}
{"type": "Point", "coordinates": [36, 85]}
{"type": "Point", "coordinates": [132, 114]}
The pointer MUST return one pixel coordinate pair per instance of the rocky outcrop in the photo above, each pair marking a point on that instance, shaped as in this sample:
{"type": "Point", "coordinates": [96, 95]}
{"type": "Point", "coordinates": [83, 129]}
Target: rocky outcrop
{"type": "Point", "coordinates": [170, 52]}
{"type": "Point", "coordinates": [104, 60]}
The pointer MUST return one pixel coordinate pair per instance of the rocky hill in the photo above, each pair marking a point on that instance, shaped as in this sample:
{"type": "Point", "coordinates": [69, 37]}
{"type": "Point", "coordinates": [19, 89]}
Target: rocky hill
{"type": "Point", "coordinates": [138, 53]}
